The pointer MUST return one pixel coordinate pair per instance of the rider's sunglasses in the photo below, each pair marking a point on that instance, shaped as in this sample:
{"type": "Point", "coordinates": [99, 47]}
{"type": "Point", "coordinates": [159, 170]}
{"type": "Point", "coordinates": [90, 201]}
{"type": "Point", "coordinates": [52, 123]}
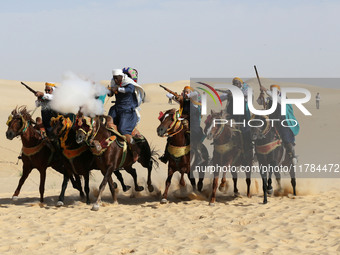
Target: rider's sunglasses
{"type": "Point", "coordinates": [47, 90]}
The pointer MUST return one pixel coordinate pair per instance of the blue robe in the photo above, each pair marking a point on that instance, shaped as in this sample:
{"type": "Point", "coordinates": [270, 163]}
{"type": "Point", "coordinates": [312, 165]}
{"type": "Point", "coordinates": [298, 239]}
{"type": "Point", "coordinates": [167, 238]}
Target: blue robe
{"type": "Point", "coordinates": [123, 112]}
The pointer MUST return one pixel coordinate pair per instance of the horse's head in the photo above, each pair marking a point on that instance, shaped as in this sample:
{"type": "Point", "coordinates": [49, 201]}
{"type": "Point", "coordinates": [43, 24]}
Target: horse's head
{"type": "Point", "coordinates": [60, 125]}
{"type": "Point", "coordinates": [168, 120]}
{"type": "Point", "coordinates": [260, 127]}
{"type": "Point", "coordinates": [83, 127]}
{"type": "Point", "coordinates": [212, 130]}
{"type": "Point", "coordinates": [18, 122]}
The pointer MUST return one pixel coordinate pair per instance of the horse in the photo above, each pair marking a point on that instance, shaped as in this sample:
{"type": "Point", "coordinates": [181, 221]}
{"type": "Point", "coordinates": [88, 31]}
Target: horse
{"type": "Point", "coordinates": [172, 126]}
{"type": "Point", "coordinates": [228, 151]}
{"type": "Point", "coordinates": [86, 130]}
{"type": "Point", "coordinates": [37, 151]}
{"type": "Point", "coordinates": [112, 152]}
{"type": "Point", "coordinates": [270, 153]}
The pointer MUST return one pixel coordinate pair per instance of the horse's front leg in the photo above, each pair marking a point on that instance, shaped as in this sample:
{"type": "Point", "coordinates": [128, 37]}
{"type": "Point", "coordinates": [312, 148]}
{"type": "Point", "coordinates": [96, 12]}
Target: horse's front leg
{"type": "Point", "coordinates": [248, 181]}
{"type": "Point", "coordinates": [167, 185]}
{"type": "Point", "coordinates": [191, 177]}
{"type": "Point", "coordinates": [26, 170]}
{"type": "Point", "coordinates": [214, 188]}
{"type": "Point", "coordinates": [107, 175]}
{"type": "Point", "coordinates": [87, 187]}
{"type": "Point", "coordinates": [224, 184]}
{"type": "Point", "coordinates": [63, 189]}
{"type": "Point", "coordinates": [293, 179]}
{"type": "Point", "coordinates": [264, 185]}
{"type": "Point", "coordinates": [234, 175]}
{"type": "Point", "coordinates": [112, 189]}
{"type": "Point", "coordinates": [42, 183]}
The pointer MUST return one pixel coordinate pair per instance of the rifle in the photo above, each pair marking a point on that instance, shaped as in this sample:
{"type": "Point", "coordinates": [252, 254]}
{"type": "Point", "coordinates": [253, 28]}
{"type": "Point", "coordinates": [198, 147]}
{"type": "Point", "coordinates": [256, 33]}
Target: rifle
{"type": "Point", "coordinates": [29, 88]}
{"type": "Point", "coordinates": [262, 94]}
{"type": "Point", "coordinates": [223, 91]}
{"type": "Point", "coordinates": [168, 90]}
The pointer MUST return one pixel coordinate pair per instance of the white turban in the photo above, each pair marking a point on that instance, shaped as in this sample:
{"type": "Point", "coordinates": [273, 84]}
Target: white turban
{"type": "Point", "coordinates": [116, 72]}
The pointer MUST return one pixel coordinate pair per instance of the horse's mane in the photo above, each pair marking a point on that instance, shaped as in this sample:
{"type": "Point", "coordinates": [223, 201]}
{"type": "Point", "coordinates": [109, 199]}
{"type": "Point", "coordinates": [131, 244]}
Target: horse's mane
{"type": "Point", "coordinates": [22, 110]}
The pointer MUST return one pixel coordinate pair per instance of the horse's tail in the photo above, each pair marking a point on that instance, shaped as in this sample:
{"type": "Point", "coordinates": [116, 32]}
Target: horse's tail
{"type": "Point", "coordinates": [154, 156]}
{"type": "Point", "coordinates": [147, 155]}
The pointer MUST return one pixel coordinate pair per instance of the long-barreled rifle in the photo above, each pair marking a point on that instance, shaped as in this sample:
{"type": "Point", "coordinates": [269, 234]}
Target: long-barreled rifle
{"type": "Point", "coordinates": [261, 94]}
{"type": "Point", "coordinates": [29, 88]}
{"type": "Point", "coordinates": [168, 90]}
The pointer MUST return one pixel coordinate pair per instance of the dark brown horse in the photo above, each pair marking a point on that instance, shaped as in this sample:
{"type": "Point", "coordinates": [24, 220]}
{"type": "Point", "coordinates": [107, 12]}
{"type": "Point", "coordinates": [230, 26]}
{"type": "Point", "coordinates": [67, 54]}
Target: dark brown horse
{"type": "Point", "coordinates": [228, 151]}
{"type": "Point", "coordinates": [37, 151]}
{"type": "Point", "coordinates": [270, 154]}
{"type": "Point", "coordinates": [77, 158]}
{"type": "Point", "coordinates": [112, 152]}
{"type": "Point", "coordinates": [178, 147]}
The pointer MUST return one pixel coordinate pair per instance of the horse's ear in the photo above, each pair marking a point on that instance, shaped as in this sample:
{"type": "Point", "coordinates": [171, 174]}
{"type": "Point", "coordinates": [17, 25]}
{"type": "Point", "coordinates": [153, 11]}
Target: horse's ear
{"type": "Point", "coordinates": [212, 112]}
{"type": "Point", "coordinates": [80, 113]}
{"type": "Point", "coordinates": [224, 113]}
{"type": "Point", "coordinates": [14, 112]}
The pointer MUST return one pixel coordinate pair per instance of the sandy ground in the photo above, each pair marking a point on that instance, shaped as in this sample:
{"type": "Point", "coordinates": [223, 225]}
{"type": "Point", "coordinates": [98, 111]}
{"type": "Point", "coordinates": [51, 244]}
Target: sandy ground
{"type": "Point", "coordinates": [308, 223]}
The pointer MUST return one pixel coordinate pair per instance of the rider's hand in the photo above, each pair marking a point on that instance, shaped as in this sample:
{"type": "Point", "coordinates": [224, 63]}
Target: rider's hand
{"type": "Point", "coordinates": [39, 94]}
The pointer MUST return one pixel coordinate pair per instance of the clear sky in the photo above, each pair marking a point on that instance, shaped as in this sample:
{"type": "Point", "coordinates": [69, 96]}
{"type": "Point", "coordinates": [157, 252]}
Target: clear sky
{"type": "Point", "coordinates": [168, 40]}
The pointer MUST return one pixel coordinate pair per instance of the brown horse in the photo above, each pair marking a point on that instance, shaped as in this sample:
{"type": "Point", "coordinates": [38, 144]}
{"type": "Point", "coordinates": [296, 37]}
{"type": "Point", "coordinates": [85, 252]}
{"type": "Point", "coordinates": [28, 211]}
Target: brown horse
{"type": "Point", "coordinates": [37, 151]}
{"type": "Point", "coordinates": [270, 154]}
{"type": "Point", "coordinates": [77, 158]}
{"type": "Point", "coordinates": [86, 130]}
{"type": "Point", "coordinates": [228, 151]}
{"type": "Point", "coordinates": [178, 147]}
{"type": "Point", "coordinates": [112, 152]}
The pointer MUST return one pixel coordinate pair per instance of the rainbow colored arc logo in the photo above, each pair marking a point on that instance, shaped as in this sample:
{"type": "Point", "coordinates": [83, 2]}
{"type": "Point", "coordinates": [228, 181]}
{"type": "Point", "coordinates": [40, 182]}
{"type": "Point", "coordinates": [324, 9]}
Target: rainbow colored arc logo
{"type": "Point", "coordinates": [209, 93]}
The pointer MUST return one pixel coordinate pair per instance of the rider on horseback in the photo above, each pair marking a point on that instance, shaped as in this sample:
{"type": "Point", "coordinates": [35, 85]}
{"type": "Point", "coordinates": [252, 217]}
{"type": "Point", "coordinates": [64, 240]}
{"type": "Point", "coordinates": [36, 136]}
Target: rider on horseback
{"type": "Point", "coordinates": [129, 95]}
{"type": "Point", "coordinates": [286, 133]}
{"type": "Point", "coordinates": [245, 129]}
{"type": "Point", "coordinates": [191, 118]}
{"type": "Point", "coordinates": [47, 113]}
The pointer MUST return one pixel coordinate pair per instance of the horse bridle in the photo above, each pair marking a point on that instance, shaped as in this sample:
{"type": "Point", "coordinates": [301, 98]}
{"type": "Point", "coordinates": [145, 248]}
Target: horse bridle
{"type": "Point", "coordinates": [92, 132]}
{"type": "Point", "coordinates": [25, 123]}
{"type": "Point", "coordinates": [175, 124]}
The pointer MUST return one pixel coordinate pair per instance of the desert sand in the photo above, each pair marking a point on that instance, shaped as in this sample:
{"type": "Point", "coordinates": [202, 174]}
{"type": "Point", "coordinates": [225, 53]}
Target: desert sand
{"type": "Point", "coordinates": [306, 224]}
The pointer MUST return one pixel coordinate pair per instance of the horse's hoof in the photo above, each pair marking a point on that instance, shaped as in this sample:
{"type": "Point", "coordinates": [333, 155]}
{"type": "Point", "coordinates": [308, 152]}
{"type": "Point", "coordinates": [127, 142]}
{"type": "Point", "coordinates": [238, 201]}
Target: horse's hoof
{"type": "Point", "coordinates": [265, 202]}
{"type": "Point", "coordinates": [127, 187]}
{"type": "Point", "coordinates": [95, 207]}
{"type": "Point", "coordinates": [151, 188]}
{"type": "Point", "coordinates": [60, 203]}
{"type": "Point", "coordinates": [139, 188]}
{"type": "Point", "coordinates": [164, 201]}
{"type": "Point", "coordinates": [236, 194]}
{"type": "Point", "coordinates": [88, 202]}
{"type": "Point", "coordinates": [211, 204]}
{"type": "Point", "coordinates": [15, 198]}
{"type": "Point", "coordinates": [199, 187]}
{"type": "Point", "coordinates": [270, 191]}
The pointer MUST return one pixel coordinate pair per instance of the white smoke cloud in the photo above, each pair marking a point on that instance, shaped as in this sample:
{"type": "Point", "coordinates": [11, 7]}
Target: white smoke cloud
{"type": "Point", "coordinates": [75, 92]}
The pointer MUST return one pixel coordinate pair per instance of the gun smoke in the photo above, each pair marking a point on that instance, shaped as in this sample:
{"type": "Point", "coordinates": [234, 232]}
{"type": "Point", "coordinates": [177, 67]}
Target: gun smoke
{"type": "Point", "coordinates": [75, 93]}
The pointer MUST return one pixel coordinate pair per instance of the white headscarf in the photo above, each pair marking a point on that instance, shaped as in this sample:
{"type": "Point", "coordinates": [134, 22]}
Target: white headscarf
{"type": "Point", "coordinates": [140, 93]}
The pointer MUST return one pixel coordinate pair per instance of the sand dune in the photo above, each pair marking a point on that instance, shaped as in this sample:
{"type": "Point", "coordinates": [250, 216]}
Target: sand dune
{"type": "Point", "coordinates": [308, 223]}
